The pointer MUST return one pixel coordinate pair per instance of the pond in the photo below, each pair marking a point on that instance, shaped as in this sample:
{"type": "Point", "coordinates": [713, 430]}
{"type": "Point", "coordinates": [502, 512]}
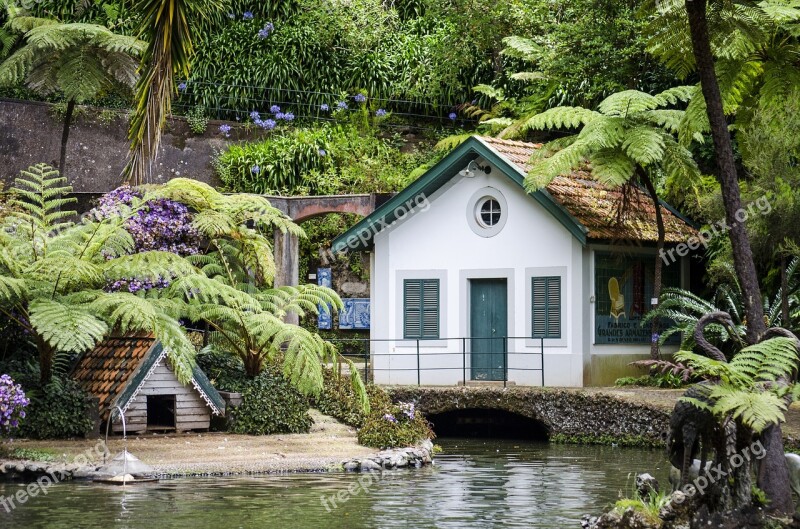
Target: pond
{"type": "Point", "coordinates": [474, 483]}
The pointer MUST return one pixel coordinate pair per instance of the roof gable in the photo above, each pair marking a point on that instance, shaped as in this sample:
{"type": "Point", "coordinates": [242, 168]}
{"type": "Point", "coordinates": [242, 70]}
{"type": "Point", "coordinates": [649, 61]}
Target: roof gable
{"type": "Point", "coordinates": [584, 206]}
{"type": "Point", "coordinates": [118, 367]}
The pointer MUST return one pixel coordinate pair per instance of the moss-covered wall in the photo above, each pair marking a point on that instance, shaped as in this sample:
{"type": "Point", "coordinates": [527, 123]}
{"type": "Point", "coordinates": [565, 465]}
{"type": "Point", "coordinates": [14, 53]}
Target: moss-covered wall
{"type": "Point", "coordinates": [568, 415]}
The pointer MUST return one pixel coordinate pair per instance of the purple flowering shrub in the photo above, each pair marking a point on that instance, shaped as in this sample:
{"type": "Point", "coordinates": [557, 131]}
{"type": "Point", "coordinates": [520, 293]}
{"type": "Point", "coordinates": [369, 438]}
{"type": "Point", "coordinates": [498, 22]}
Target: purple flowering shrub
{"type": "Point", "coordinates": [395, 425]}
{"type": "Point", "coordinates": [163, 225]}
{"type": "Point", "coordinates": [12, 404]}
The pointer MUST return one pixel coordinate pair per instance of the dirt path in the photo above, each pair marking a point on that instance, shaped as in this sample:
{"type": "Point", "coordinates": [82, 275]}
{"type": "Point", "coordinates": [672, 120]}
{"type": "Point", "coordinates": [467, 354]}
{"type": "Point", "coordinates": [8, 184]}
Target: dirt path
{"type": "Point", "coordinates": [328, 443]}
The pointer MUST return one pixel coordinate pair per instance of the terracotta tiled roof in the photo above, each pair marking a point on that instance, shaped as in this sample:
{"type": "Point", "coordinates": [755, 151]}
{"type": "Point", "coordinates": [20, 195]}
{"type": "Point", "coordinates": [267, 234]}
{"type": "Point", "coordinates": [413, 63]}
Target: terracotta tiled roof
{"type": "Point", "coordinates": [596, 206]}
{"type": "Point", "coordinates": [107, 369]}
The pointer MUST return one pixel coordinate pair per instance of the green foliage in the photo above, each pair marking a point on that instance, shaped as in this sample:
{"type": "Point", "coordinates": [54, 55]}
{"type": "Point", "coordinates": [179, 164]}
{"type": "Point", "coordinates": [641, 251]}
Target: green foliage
{"type": "Point", "coordinates": [169, 28]}
{"type": "Point", "coordinates": [271, 404]}
{"type": "Point", "coordinates": [608, 440]}
{"type": "Point", "coordinates": [77, 60]}
{"type": "Point", "coordinates": [339, 400]}
{"type": "Point", "coordinates": [28, 454]}
{"type": "Point", "coordinates": [57, 411]}
{"type": "Point", "coordinates": [379, 431]}
{"type": "Point", "coordinates": [325, 160]}
{"type": "Point", "coordinates": [618, 139]}
{"type": "Point", "coordinates": [225, 371]}
{"type": "Point", "coordinates": [654, 380]}
{"type": "Point", "coordinates": [53, 272]}
{"type": "Point", "coordinates": [197, 119]}
{"type": "Point", "coordinates": [232, 294]}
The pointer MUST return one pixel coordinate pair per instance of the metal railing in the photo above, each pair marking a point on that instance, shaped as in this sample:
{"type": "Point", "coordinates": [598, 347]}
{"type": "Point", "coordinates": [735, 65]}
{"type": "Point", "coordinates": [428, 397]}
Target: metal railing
{"type": "Point", "coordinates": [499, 351]}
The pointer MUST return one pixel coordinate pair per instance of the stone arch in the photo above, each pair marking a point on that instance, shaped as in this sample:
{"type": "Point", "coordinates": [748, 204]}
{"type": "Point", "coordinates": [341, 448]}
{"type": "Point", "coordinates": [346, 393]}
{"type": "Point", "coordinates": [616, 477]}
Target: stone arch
{"type": "Point", "coordinates": [299, 209]}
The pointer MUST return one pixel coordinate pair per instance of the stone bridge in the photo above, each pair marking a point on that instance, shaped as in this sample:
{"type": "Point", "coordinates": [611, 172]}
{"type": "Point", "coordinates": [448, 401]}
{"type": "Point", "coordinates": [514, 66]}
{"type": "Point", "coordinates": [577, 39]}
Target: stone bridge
{"type": "Point", "coordinates": [578, 415]}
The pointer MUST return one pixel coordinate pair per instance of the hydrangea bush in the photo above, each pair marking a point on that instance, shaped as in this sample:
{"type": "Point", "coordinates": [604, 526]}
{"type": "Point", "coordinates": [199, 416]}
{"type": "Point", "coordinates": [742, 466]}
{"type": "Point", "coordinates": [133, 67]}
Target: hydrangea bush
{"type": "Point", "coordinates": [12, 404]}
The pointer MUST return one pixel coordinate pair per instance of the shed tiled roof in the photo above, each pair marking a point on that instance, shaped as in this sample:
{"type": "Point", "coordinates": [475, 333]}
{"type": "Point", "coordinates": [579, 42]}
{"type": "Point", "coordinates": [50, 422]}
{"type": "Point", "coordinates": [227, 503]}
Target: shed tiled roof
{"type": "Point", "coordinates": [596, 206]}
{"type": "Point", "coordinates": [106, 370]}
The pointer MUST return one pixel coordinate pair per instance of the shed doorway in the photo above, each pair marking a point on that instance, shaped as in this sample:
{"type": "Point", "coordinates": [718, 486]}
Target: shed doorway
{"type": "Point", "coordinates": [160, 412]}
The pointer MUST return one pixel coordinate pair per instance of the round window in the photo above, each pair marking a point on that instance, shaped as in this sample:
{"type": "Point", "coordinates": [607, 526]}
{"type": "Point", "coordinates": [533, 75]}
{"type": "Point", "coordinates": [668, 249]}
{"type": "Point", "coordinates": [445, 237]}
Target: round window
{"type": "Point", "coordinates": [489, 213]}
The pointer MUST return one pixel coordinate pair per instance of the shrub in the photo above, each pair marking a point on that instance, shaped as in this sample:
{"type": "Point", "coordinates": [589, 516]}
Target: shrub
{"type": "Point", "coordinates": [394, 426]}
{"type": "Point", "coordinates": [224, 370]}
{"type": "Point", "coordinates": [57, 411]}
{"type": "Point", "coordinates": [271, 405]}
{"type": "Point", "coordinates": [12, 404]}
{"type": "Point", "coordinates": [197, 120]}
{"type": "Point", "coordinates": [338, 400]}
{"type": "Point", "coordinates": [326, 160]}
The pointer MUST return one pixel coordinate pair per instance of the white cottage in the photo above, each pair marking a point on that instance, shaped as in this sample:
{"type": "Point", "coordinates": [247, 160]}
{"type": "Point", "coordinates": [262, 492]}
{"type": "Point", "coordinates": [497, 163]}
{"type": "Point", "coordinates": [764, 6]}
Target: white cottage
{"type": "Point", "coordinates": [474, 279]}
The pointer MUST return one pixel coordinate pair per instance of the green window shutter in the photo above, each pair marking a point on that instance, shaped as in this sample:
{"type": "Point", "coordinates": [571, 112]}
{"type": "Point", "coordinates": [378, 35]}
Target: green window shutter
{"type": "Point", "coordinates": [546, 307]}
{"type": "Point", "coordinates": [421, 308]}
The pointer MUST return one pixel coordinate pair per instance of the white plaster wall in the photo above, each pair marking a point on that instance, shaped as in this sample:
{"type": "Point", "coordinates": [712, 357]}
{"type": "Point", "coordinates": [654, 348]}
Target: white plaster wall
{"type": "Point", "coordinates": [439, 243]}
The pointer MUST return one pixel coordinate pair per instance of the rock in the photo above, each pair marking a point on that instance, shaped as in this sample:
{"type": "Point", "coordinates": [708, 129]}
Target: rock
{"type": "Point", "coordinates": [369, 465]}
{"type": "Point", "coordinates": [351, 466]}
{"type": "Point", "coordinates": [646, 485]}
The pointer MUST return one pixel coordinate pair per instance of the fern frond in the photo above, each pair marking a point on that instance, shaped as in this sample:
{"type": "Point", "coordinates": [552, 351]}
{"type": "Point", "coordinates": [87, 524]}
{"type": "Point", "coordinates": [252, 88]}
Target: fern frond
{"type": "Point", "coordinates": [66, 327]}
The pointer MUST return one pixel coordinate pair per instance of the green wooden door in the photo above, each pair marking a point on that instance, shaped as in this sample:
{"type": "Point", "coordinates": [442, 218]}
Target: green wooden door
{"type": "Point", "coordinates": [488, 328]}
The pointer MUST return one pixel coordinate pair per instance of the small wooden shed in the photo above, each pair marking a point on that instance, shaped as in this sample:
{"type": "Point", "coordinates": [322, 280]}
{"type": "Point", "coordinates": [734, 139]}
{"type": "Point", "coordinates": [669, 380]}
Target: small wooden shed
{"type": "Point", "coordinates": [134, 374]}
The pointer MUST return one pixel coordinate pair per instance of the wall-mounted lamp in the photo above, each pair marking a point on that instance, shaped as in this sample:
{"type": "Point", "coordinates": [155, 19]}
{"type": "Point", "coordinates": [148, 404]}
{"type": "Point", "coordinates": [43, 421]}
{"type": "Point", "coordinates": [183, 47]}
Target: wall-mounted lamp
{"type": "Point", "coordinates": [472, 169]}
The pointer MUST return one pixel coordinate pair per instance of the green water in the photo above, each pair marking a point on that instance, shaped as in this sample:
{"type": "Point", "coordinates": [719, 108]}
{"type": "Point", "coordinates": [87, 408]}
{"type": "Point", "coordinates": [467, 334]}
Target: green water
{"type": "Point", "coordinates": [474, 483]}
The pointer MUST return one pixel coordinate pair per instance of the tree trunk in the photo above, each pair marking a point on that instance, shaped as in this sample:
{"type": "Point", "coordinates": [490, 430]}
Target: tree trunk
{"type": "Point", "coordinates": [65, 136]}
{"type": "Point", "coordinates": [774, 477]}
{"type": "Point", "coordinates": [784, 294]}
{"type": "Point", "coordinates": [728, 179]}
{"type": "Point", "coordinates": [655, 352]}
{"type": "Point", "coordinates": [45, 361]}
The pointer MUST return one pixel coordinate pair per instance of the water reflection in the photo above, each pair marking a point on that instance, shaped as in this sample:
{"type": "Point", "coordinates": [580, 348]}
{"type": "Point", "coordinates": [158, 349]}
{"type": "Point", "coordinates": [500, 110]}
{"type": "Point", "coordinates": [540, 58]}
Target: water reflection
{"type": "Point", "coordinates": [475, 483]}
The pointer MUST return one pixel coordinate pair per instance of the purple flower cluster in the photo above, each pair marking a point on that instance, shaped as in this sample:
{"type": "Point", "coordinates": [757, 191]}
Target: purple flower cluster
{"type": "Point", "coordinates": [266, 30]}
{"type": "Point", "coordinates": [380, 113]}
{"type": "Point", "coordinates": [225, 130]}
{"type": "Point", "coordinates": [163, 225]}
{"type": "Point", "coordinates": [408, 409]}
{"type": "Point", "coordinates": [324, 107]}
{"type": "Point", "coordinates": [12, 404]}
{"type": "Point", "coordinates": [341, 105]}
{"type": "Point", "coordinates": [389, 417]}
{"type": "Point", "coordinates": [134, 285]}
{"type": "Point", "coordinates": [247, 15]}
{"type": "Point", "coordinates": [452, 116]}
{"type": "Point", "coordinates": [182, 87]}
{"type": "Point", "coordinates": [255, 169]}
{"type": "Point", "coordinates": [322, 152]}
{"type": "Point", "coordinates": [270, 124]}
{"type": "Point", "coordinates": [360, 98]}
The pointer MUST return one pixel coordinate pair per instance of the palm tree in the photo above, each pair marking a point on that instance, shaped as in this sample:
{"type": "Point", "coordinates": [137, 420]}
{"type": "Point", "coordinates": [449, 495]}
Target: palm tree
{"type": "Point", "coordinates": [76, 60]}
{"type": "Point", "coordinates": [166, 26]}
{"type": "Point", "coordinates": [629, 137]}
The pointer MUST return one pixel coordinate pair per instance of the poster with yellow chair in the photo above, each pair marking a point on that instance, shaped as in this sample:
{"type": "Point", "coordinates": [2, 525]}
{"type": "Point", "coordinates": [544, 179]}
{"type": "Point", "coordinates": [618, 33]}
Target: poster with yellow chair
{"type": "Point", "coordinates": [617, 300]}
